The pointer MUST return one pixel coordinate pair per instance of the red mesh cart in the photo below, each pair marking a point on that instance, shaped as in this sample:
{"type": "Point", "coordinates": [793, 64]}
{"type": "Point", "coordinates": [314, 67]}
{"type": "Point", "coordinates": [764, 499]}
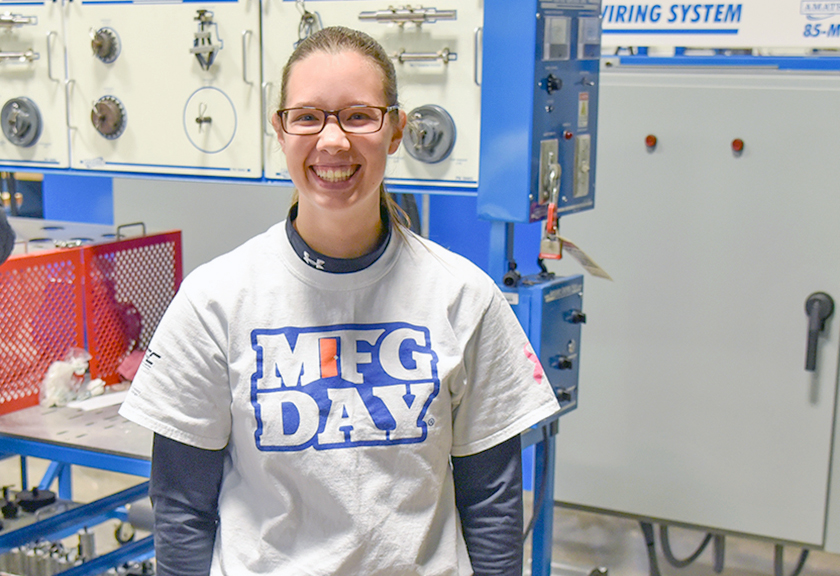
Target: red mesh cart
{"type": "Point", "coordinates": [107, 298]}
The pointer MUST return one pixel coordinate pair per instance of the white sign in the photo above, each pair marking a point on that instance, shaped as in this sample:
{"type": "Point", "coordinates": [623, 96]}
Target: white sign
{"type": "Point", "coordinates": [745, 24]}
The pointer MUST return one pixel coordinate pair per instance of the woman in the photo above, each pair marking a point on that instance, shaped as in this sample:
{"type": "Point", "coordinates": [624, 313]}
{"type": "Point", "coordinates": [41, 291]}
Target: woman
{"type": "Point", "coordinates": [324, 394]}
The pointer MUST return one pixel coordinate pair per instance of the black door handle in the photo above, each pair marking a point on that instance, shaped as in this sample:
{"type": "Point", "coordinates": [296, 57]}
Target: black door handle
{"type": "Point", "coordinates": [819, 307]}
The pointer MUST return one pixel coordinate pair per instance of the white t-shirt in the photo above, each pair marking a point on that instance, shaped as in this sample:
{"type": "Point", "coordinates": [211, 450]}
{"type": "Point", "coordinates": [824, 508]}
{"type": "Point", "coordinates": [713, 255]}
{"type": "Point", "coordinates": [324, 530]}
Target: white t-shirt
{"type": "Point", "coordinates": [340, 398]}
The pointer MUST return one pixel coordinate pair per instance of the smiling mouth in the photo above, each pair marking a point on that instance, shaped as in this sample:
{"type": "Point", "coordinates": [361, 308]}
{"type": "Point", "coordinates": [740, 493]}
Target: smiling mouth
{"type": "Point", "coordinates": [335, 174]}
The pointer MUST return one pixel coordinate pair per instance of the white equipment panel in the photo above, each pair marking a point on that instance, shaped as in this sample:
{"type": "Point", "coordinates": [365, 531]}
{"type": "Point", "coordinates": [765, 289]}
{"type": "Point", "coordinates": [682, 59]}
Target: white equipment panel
{"type": "Point", "coordinates": [698, 408]}
{"type": "Point", "coordinates": [32, 101]}
{"type": "Point", "coordinates": [173, 87]}
{"type": "Point", "coordinates": [423, 74]}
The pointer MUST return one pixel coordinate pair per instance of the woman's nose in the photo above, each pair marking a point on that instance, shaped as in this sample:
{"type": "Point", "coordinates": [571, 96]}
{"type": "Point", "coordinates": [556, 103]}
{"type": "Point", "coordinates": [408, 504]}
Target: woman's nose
{"type": "Point", "coordinates": [332, 136]}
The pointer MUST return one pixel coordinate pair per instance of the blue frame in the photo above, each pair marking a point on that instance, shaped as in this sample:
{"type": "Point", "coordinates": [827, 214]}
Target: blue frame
{"type": "Point", "coordinates": [680, 59]}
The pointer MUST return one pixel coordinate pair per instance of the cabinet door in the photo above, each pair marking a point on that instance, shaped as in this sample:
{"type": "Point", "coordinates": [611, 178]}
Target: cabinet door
{"type": "Point", "coordinates": [695, 405]}
{"type": "Point", "coordinates": [32, 102]}
{"type": "Point", "coordinates": [169, 87]}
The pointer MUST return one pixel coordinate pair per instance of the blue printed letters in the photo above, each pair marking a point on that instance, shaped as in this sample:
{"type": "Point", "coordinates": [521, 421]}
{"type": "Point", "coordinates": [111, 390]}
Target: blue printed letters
{"type": "Point", "coordinates": [342, 386]}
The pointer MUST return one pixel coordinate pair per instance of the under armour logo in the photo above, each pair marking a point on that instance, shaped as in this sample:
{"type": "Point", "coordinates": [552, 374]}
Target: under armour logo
{"type": "Point", "coordinates": [319, 264]}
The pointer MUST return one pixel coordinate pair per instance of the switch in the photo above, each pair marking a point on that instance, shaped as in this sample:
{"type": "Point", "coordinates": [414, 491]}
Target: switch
{"type": "Point", "coordinates": [560, 362]}
{"type": "Point", "coordinates": [551, 84]}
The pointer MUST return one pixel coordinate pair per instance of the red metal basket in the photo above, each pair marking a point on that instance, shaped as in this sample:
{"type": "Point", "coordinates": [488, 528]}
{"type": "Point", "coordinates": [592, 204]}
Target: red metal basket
{"type": "Point", "coordinates": [107, 298]}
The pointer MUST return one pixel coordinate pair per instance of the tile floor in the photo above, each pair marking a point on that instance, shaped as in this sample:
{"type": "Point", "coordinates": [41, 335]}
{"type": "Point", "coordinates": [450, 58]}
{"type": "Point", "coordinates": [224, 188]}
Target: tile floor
{"type": "Point", "coordinates": [583, 541]}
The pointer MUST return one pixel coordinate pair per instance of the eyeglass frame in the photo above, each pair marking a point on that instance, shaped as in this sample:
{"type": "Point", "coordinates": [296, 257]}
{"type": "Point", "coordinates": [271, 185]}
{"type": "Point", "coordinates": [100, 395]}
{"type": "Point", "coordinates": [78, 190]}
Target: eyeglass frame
{"type": "Point", "coordinates": [327, 113]}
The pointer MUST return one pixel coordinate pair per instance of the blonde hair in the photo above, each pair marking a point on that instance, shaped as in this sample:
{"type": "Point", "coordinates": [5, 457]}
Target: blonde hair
{"type": "Point", "coordinates": [334, 40]}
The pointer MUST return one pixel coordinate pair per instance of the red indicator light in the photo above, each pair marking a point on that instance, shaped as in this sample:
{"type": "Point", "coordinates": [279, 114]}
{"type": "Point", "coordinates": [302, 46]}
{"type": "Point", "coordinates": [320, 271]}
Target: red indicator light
{"type": "Point", "coordinates": [737, 145]}
{"type": "Point", "coordinates": [568, 135]}
{"type": "Point", "coordinates": [650, 141]}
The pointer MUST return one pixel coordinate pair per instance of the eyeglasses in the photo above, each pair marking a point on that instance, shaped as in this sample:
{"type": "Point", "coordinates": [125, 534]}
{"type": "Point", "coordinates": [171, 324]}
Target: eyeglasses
{"type": "Point", "coordinates": [353, 119]}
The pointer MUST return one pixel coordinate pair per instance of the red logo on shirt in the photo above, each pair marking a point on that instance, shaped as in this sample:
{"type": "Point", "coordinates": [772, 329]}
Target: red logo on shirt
{"type": "Point", "coordinates": [539, 374]}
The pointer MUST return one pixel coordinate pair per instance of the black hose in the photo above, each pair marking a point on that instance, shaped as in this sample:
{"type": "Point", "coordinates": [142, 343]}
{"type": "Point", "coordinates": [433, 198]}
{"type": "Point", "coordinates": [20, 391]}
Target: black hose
{"type": "Point", "coordinates": [541, 495]}
{"type": "Point", "coordinates": [779, 561]}
{"type": "Point", "coordinates": [669, 554]}
{"type": "Point", "coordinates": [650, 541]}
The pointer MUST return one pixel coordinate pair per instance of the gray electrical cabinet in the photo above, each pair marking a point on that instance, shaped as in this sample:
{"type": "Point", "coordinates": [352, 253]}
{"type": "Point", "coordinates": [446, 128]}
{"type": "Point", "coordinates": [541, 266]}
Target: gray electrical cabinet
{"type": "Point", "coordinates": [718, 216]}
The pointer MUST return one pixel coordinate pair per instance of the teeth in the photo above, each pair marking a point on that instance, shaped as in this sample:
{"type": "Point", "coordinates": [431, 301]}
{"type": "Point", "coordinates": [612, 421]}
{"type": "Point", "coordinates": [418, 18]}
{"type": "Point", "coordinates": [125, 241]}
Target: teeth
{"type": "Point", "coordinates": [334, 174]}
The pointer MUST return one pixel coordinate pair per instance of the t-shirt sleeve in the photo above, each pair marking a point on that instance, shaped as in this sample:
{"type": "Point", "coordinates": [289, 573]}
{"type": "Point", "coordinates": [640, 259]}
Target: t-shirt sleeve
{"type": "Point", "coordinates": [506, 390]}
{"type": "Point", "coordinates": [182, 390]}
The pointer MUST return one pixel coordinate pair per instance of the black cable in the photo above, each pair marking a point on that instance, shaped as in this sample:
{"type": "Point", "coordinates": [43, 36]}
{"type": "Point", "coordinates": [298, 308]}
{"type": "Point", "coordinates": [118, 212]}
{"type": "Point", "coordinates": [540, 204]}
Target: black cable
{"type": "Point", "coordinates": [650, 541]}
{"type": "Point", "coordinates": [541, 495]}
{"type": "Point", "coordinates": [779, 561]}
{"type": "Point", "coordinates": [719, 548]}
{"type": "Point", "coordinates": [409, 205]}
{"type": "Point", "coordinates": [669, 554]}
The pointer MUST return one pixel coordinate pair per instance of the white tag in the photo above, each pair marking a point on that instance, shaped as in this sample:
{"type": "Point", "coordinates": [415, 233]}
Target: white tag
{"type": "Point", "coordinates": [575, 252]}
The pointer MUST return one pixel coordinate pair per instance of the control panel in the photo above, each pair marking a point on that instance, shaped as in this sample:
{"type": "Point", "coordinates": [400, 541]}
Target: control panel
{"type": "Point", "coordinates": [551, 313]}
{"type": "Point", "coordinates": [547, 170]}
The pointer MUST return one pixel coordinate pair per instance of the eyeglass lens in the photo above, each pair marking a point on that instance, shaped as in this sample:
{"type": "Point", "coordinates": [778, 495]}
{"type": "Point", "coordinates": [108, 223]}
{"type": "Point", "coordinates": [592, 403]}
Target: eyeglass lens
{"type": "Point", "coordinates": [356, 120]}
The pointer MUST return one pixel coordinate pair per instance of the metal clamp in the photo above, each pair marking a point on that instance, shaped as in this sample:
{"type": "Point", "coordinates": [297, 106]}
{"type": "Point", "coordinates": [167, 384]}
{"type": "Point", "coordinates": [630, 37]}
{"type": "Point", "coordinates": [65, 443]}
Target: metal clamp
{"type": "Point", "coordinates": [26, 56]}
{"type": "Point", "coordinates": [444, 55]}
{"type": "Point", "coordinates": [407, 14]}
{"type": "Point", "coordinates": [10, 20]}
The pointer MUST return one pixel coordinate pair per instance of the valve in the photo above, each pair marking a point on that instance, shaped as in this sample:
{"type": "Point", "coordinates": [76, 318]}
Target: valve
{"type": "Point", "coordinates": [430, 134]}
{"type": "Point", "coordinates": [21, 122]}
{"type": "Point", "coordinates": [105, 44]}
{"type": "Point", "coordinates": [108, 117]}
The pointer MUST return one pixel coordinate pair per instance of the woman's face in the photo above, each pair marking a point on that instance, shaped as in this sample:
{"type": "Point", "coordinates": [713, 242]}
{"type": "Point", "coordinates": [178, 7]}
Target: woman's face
{"type": "Point", "coordinates": [333, 170]}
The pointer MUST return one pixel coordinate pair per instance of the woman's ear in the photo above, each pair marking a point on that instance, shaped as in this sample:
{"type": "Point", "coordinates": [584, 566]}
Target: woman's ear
{"type": "Point", "coordinates": [278, 128]}
{"type": "Point", "coordinates": [396, 136]}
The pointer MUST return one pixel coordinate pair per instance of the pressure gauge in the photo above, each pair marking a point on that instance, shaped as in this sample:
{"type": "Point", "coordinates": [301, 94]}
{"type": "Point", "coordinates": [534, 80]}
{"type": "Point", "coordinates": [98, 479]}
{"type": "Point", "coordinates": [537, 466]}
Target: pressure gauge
{"type": "Point", "coordinates": [105, 44]}
{"type": "Point", "coordinates": [430, 134]}
{"type": "Point", "coordinates": [108, 117]}
{"type": "Point", "coordinates": [21, 121]}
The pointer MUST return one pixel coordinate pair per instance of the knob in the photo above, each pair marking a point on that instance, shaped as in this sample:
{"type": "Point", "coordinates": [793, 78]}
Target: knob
{"type": "Point", "coordinates": [21, 122]}
{"type": "Point", "coordinates": [560, 362]}
{"type": "Point", "coordinates": [108, 117]}
{"type": "Point", "coordinates": [105, 45]}
{"type": "Point", "coordinates": [577, 317]}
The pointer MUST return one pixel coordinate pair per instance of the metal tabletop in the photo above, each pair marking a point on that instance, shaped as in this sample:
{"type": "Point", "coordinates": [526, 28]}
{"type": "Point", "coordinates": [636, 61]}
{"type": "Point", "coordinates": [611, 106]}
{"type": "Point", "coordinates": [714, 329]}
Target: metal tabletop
{"type": "Point", "coordinates": [98, 438]}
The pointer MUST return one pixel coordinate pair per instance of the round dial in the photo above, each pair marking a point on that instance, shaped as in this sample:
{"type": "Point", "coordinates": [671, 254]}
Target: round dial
{"type": "Point", "coordinates": [430, 134]}
{"type": "Point", "coordinates": [108, 117]}
{"type": "Point", "coordinates": [21, 121]}
{"type": "Point", "coordinates": [105, 44]}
